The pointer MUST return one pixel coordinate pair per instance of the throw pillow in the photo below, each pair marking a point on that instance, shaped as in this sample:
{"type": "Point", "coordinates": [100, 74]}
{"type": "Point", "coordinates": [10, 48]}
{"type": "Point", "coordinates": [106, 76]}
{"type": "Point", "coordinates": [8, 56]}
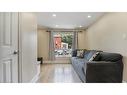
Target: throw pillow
{"type": "Point", "coordinates": [94, 56]}
{"type": "Point", "coordinates": [80, 53]}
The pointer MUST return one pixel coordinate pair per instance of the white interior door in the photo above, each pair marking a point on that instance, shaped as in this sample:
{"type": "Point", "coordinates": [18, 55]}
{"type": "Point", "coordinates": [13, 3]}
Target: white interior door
{"type": "Point", "coordinates": [8, 47]}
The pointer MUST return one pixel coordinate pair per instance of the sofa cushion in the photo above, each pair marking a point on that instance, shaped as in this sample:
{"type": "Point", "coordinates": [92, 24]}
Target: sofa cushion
{"type": "Point", "coordinates": [113, 57]}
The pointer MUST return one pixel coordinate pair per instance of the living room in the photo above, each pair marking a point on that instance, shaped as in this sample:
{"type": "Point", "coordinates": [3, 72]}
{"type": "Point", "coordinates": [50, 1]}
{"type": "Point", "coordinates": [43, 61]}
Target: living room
{"type": "Point", "coordinates": [72, 47]}
{"type": "Point", "coordinates": [95, 31]}
{"type": "Point", "coordinates": [63, 47]}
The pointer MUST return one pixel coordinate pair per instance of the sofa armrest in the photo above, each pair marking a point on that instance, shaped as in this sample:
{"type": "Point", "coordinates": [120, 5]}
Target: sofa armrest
{"type": "Point", "coordinates": [102, 72]}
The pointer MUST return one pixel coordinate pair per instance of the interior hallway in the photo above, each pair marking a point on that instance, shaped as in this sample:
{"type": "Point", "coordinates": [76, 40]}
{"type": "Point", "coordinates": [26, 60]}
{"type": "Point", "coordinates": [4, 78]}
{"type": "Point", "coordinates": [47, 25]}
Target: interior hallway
{"type": "Point", "coordinates": [58, 73]}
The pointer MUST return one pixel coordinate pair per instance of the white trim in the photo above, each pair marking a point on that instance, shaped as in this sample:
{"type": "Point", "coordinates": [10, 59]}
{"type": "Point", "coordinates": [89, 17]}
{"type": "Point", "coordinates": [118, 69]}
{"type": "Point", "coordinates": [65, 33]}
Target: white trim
{"type": "Point", "coordinates": [56, 62]}
{"type": "Point", "coordinates": [19, 49]}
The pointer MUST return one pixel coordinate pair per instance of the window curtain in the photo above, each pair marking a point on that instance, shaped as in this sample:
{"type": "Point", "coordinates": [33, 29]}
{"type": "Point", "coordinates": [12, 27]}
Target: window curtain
{"type": "Point", "coordinates": [51, 46]}
{"type": "Point", "coordinates": [75, 40]}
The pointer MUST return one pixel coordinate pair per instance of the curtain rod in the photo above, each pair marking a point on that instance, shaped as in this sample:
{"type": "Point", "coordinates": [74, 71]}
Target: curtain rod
{"type": "Point", "coordinates": [61, 30]}
{"type": "Point", "coordinates": [65, 30]}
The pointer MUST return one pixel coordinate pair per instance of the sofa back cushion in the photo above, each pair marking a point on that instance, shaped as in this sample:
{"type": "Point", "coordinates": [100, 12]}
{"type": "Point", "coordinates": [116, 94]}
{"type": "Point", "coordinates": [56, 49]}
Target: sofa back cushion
{"type": "Point", "coordinates": [89, 53]}
{"type": "Point", "coordinates": [113, 57]}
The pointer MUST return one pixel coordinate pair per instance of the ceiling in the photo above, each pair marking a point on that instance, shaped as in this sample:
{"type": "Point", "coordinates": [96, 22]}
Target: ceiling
{"type": "Point", "coordinates": [67, 20]}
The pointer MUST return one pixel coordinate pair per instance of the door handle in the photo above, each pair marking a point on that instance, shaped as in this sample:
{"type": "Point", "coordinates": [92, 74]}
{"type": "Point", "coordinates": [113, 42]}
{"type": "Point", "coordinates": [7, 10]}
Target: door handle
{"type": "Point", "coordinates": [15, 52]}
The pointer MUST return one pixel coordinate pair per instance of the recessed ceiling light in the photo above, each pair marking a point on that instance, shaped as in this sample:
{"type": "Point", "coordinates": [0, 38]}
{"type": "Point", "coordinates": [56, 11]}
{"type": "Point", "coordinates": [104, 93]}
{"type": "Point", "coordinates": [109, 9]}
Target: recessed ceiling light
{"type": "Point", "coordinates": [54, 15]}
{"type": "Point", "coordinates": [89, 16]}
{"type": "Point", "coordinates": [80, 26]}
{"type": "Point", "coordinates": [57, 25]}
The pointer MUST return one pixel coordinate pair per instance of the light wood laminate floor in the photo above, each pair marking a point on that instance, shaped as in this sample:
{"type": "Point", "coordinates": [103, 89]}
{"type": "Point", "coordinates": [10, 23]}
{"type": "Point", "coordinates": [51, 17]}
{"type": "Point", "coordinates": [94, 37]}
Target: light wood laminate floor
{"type": "Point", "coordinates": [58, 73]}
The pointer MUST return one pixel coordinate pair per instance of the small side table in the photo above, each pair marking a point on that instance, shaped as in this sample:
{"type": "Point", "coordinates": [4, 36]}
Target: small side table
{"type": "Point", "coordinates": [40, 59]}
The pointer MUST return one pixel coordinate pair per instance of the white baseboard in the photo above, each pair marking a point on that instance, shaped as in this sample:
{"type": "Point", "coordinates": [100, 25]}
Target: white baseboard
{"type": "Point", "coordinates": [56, 62]}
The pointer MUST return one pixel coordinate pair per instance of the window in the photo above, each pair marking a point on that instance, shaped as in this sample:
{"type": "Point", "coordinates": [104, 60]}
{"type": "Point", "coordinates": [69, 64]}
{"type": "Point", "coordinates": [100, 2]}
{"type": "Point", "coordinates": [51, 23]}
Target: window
{"type": "Point", "coordinates": [63, 43]}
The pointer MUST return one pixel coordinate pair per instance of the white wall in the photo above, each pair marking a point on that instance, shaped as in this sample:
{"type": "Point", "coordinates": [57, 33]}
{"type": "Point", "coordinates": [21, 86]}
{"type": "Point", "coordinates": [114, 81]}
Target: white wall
{"type": "Point", "coordinates": [43, 44]}
{"type": "Point", "coordinates": [110, 34]}
{"type": "Point", "coordinates": [82, 40]}
{"type": "Point", "coordinates": [28, 46]}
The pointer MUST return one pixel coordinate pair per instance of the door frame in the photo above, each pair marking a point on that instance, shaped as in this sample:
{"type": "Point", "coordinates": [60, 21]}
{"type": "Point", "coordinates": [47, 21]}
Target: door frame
{"type": "Point", "coordinates": [19, 48]}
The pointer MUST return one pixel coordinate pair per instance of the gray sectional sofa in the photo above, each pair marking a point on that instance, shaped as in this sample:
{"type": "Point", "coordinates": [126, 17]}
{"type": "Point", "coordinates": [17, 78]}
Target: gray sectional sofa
{"type": "Point", "coordinates": [105, 68]}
